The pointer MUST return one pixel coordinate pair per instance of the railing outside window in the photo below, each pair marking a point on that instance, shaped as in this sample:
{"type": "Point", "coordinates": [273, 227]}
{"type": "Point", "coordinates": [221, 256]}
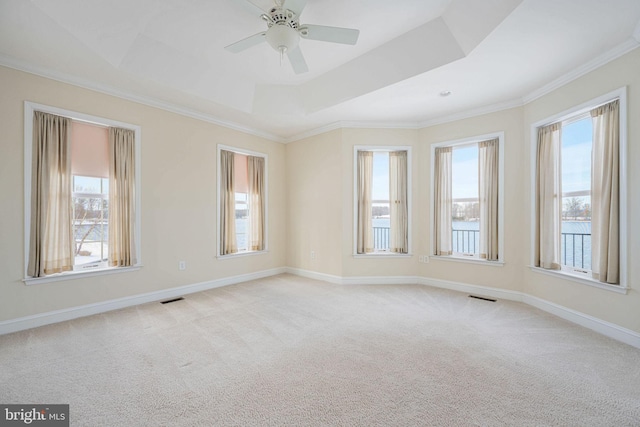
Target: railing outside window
{"type": "Point", "coordinates": [574, 247]}
{"type": "Point", "coordinates": [465, 241]}
{"type": "Point", "coordinates": [381, 238]}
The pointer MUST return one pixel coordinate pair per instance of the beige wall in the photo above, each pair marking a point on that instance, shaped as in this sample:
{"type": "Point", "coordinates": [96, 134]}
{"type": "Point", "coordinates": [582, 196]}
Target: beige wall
{"type": "Point", "coordinates": [515, 274]}
{"type": "Point", "coordinates": [507, 276]}
{"type": "Point", "coordinates": [623, 310]}
{"type": "Point", "coordinates": [310, 200]}
{"type": "Point", "coordinates": [341, 145]}
{"type": "Point", "coordinates": [178, 199]}
{"type": "Point", "coordinates": [314, 203]}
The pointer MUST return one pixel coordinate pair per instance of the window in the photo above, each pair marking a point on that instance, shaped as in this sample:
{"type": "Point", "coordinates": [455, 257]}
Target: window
{"type": "Point", "coordinates": [575, 230]}
{"type": "Point", "coordinates": [242, 202]}
{"type": "Point", "coordinates": [465, 225]}
{"type": "Point", "coordinates": [578, 190]}
{"type": "Point", "coordinates": [382, 202]}
{"type": "Point", "coordinates": [467, 198]}
{"type": "Point", "coordinates": [81, 193]}
{"type": "Point", "coordinates": [90, 221]}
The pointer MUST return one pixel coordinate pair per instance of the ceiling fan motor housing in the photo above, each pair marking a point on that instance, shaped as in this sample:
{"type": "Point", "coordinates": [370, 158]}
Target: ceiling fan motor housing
{"type": "Point", "coordinates": [281, 16]}
{"type": "Point", "coordinates": [282, 34]}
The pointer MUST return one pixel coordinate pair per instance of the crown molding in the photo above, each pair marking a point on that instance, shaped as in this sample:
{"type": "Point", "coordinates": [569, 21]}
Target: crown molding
{"type": "Point", "coordinates": [133, 97]}
{"type": "Point", "coordinates": [615, 53]}
{"type": "Point", "coordinates": [475, 112]}
{"type": "Point", "coordinates": [352, 125]}
{"type": "Point", "coordinates": [599, 61]}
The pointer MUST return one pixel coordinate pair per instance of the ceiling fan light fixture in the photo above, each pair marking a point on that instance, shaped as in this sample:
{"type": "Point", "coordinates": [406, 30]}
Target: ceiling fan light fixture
{"type": "Point", "coordinates": [282, 38]}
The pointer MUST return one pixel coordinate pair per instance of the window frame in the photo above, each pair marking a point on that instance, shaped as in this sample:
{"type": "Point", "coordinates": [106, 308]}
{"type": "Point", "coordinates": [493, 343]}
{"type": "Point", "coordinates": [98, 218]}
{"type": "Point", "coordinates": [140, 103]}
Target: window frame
{"type": "Point", "coordinates": [382, 148]}
{"type": "Point", "coordinates": [29, 109]}
{"type": "Point", "coordinates": [568, 116]}
{"type": "Point", "coordinates": [244, 152]}
{"type": "Point", "coordinates": [458, 256]}
{"type": "Point", "coordinates": [568, 121]}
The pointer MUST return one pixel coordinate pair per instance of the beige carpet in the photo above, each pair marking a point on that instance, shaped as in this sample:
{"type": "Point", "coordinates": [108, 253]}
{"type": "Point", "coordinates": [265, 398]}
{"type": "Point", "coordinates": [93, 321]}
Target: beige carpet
{"type": "Point", "coordinates": [292, 351]}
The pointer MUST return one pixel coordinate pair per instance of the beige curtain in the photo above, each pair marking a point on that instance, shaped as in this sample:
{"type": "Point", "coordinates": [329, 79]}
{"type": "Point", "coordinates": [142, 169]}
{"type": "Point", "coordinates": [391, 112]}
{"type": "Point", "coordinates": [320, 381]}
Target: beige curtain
{"type": "Point", "coordinates": [122, 196]}
{"type": "Point", "coordinates": [51, 243]}
{"type": "Point", "coordinates": [442, 197]}
{"type": "Point", "coordinates": [228, 244]}
{"type": "Point", "coordinates": [256, 202]}
{"type": "Point", "coordinates": [399, 230]}
{"type": "Point", "coordinates": [488, 190]}
{"type": "Point", "coordinates": [365, 191]}
{"type": "Point", "coordinates": [548, 198]}
{"type": "Point", "coordinates": [605, 193]}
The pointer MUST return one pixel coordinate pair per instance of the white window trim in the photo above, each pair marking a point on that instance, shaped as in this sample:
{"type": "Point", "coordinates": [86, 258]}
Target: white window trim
{"type": "Point", "coordinates": [432, 242]}
{"type": "Point", "coordinates": [244, 152]}
{"type": "Point", "coordinates": [568, 114]}
{"type": "Point", "coordinates": [382, 148]}
{"type": "Point", "coordinates": [29, 109]}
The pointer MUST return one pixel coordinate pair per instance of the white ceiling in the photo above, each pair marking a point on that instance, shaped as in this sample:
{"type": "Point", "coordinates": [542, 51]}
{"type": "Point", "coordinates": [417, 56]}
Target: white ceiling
{"type": "Point", "coordinates": [170, 53]}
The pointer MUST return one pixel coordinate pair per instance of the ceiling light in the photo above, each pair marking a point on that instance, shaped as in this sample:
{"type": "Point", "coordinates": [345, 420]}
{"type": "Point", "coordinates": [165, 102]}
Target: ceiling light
{"type": "Point", "coordinates": [282, 38]}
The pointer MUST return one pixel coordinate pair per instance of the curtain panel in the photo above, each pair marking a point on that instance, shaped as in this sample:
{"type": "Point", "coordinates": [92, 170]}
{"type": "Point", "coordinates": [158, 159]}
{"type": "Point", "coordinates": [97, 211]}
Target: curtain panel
{"type": "Point", "coordinates": [122, 244]}
{"type": "Point", "coordinates": [51, 242]}
{"type": "Point", "coordinates": [442, 200]}
{"type": "Point", "coordinates": [228, 243]}
{"type": "Point", "coordinates": [605, 193]}
{"type": "Point", "coordinates": [548, 198]}
{"type": "Point", "coordinates": [256, 202]}
{"type": "Point", "coordinates": [399, 218]}
{"type": "Point", "coordinates": [488, 191]}
{"type": "Point", "coordinates": [364, 237]}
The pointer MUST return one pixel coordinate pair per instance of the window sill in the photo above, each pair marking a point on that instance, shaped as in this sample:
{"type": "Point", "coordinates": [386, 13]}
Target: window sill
{"type": "Point", "coordinates": [382, 255]}
{"type": "Point", "coordinates": [468, 260]}
{"type": "Point", "coordinates": [242, 254]}
{"type": "Point", "coordinates": [580, 279]}
{"type": "Point", "coordinates": [70, 275]}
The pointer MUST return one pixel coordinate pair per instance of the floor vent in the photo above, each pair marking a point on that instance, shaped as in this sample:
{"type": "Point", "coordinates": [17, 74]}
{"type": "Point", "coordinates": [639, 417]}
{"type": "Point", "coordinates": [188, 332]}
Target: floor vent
{"type": "Point", "coordinates": [171, 300]}
{"type": "Point", "coordinates": [482, 298]}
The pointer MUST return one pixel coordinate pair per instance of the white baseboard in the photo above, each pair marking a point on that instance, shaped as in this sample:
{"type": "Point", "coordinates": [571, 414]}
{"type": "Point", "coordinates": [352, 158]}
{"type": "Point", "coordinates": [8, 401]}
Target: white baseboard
{"type": "Point", "coordinates": [483, 291]}
{"type": "Point", "coordinates": [608, 329]}
{"type": "Point", "coordinates": [359, 280]}
{"type": "Point", "coordinates": [603, 327]}
{"type": "Point", "coordinates": [336, 280]}
{"type": "Point", "coordinates": [28, 322]}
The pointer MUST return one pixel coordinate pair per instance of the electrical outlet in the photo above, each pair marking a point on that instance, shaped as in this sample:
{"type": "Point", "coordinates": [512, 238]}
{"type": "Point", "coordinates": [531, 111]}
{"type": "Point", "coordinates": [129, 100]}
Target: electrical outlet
{"type": "Point", "coordinates": [182, 265]}
{"type": "Point", "coordinates": [313, 254]}
{"type": "Point", "coordinates": [421, 258]}
{"type": "Point", "coordinates": [425, 259]}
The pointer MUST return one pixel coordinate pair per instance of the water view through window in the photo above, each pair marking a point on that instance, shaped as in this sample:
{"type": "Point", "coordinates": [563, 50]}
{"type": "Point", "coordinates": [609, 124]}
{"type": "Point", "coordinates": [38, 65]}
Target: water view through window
{"type": "Point", "coordinates": [576, 193]}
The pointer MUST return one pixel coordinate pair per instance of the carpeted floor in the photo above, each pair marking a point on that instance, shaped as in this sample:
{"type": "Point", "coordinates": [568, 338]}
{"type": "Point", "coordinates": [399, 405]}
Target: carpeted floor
{"type": "Point", "coordinates": [293, 351]}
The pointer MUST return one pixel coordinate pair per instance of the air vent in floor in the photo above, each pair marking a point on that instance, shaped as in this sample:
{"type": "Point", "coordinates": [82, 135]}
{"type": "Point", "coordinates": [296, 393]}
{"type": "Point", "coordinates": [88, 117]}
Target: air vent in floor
{"type": "Point", "coordinates": [171, 300]}
{"type": "Point", "coordinates": [482, 298]}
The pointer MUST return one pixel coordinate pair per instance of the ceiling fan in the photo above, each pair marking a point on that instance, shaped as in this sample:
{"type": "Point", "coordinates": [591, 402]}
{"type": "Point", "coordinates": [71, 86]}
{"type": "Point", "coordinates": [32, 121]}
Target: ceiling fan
{"type": "Point", "coordinates": [284, 31]}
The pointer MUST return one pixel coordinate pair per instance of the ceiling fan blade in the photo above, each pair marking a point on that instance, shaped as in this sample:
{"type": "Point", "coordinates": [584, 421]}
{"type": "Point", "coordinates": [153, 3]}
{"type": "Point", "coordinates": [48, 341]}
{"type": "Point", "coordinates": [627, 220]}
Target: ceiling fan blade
{"type": "Point", "coordinates": [297, 61]}
{"type": "Point", "coordinates": [243, 44]}
{"type": "Point", "coordinates": [296, 6]}
{"type": "Point", "coordinates": [330, 34]}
